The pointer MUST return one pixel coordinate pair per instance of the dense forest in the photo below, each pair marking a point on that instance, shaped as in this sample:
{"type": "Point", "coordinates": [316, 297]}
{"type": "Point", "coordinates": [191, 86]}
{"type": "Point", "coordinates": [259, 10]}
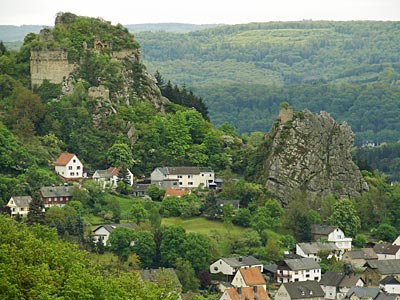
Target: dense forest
{"type": "Point", "coordinates": [52, 253]}
{"type": "Point", "coordinates": [349, 69]}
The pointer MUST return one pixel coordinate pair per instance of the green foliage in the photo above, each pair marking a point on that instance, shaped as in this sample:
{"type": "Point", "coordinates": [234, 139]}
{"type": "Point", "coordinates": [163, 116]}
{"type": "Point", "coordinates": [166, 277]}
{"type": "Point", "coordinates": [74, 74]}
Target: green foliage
{"type": "Point", "coordinates": [139, 213]}
{"type": "Point", "coordinates": [154, 192]}
{"type": "Point", "coordinates": [249, 69]}
{"type": "Point", "coordinates": [119, 155]}
{"type": "Point", "coordinates": [121, 241]}
{"type": "Point", "coordinates": [186, 275]}
{"type": "Point", "coordinates": [386, 232]}
{"type": "Point", "coordinates": [345, 217]}
{"type": "Point", "coordinates": [37, 265]}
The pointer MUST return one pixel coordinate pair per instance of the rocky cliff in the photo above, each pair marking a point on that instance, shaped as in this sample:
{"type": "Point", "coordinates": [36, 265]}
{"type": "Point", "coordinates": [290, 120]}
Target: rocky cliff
{"type": "Point", "coordinates": [310, 153]}
{"type": "Point", "coordinates": [92, 50]}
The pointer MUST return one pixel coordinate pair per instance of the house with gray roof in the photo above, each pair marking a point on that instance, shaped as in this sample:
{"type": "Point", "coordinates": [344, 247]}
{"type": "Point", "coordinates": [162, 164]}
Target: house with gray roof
{"type": "Point", "coordinates": [358, 258]}
{"type": "Point", "coordinates": [336, 285]}
{"type": "Point", "coordinates": [376, 270]}
{"type": "Point", "coordinates": [298, 269]}
{"type": "Point", "coordinates": [365, 293]}
{"type": "Point", "coordinates": [387, 251]}
{"type": "Point", "coordinates": [310, 290]}
{"type": "Point", "coordinates": [229, 266]}
{"type": "Point", "coordinates": [331, 234]}
{"type": "Point", "coordinates": [55, 195]}
{"type": "Point", "coordinates": [387, 296]}
{"type": "Point", "coordinates": [313, 249]}
{"type": "Point", "coordinates": [19, 205]}
{"type": "Point", "coordinates": [390, 284]}
{"type": "Point", "coordinates": [182, 177]}
{"type": "Point", "coordinates": [109, 177]}
{"type": "Point", "coordinates": [103, 232]}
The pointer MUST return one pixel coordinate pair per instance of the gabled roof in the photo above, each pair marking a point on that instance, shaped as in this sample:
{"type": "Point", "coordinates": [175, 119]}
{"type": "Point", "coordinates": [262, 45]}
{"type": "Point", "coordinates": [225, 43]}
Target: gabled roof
{"type": "Point", "coordinates": [247, 293]}
{"type": "Point", "coordinates": [331, 279]}
{"type": "Point", "coordinates": [339, 279]}
{"type": "Point", "coordinates": [389, 280]}
{"type": "Point", "coordinates": [385, 267]}
{"type": "Point", "coordinates": [64, 159]}
{"type": "Point", "coordinates": [21, 201]}
{"type": "Point", "coordinates": [363, 292]}
{"type": "Point", "coordinates": [55, 191]}
{"type": "Point", "coordinates": [241, 261]}
{"type": "Point", "coordinates": [322, 229]}
{"type": "Point", "coordinates": [351, 280]}
{"type": "Point", "coordinates": [364, 253]}
{"type": "Point", "coordinates": [304, 289]}
{"type": "Point", "coordinates": [298, 264]}
{"type": "Point", "coordinates": [252, 276]}
{"type": "Point", "coordinates": [113, 170]}
{"type": "Point", "coordinates": [386, 249]}
{"type": "Point", "coordinates": [103, 174]}
{"type": "Point", "coordinates": [175, 192]}
{"type": "Point", "coordinates": [315, 247]}
{"type": "Point", "coordinates": [111, 227]}
{"type": "Point", "coordinates": [179, 170]}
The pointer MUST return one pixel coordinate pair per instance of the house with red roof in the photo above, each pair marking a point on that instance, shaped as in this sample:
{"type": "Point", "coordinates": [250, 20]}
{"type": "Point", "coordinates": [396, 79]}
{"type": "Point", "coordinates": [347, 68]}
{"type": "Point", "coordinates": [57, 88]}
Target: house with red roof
{"type": "Point", "coordinates": [241, 293]}
{"type": "Point", "coordinates": [249, 277]}
{"type": "Point", "coordinates": [69, 166]}
{"type": "Point", "coordinates": [175, 192]}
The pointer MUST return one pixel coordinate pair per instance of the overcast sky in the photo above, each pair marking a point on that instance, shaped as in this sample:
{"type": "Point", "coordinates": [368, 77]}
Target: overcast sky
{"type": "Point", "coordinates": [42, 12]}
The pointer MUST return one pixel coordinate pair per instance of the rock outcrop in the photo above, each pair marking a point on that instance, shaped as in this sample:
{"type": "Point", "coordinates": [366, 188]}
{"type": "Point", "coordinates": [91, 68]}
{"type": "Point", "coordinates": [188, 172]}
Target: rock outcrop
{"type": "Point", "coordinates": [311, 154]}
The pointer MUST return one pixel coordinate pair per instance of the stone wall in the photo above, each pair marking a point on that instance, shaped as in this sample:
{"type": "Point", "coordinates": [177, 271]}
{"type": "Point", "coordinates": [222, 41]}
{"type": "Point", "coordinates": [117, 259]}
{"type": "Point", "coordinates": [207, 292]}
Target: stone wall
{"type": "Point", "coordinates": [52, 65]}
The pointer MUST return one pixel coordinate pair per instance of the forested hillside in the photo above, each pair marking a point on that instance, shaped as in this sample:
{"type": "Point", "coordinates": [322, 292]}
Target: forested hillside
{"type": "Point", "coordinates": [350, 69]}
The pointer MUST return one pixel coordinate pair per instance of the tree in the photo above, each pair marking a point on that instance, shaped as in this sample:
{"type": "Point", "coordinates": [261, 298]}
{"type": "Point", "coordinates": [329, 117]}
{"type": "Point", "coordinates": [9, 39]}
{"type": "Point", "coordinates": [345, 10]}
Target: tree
{"type": "Point", "coordinates": [139, 213]}
{"type": "Point", "coordinates": [154, 192]}
{"type": "Point", "coordinates": [120, 242]}
{"type": "Point", "coordinates": [345, 217]}
{"type": "Point", "coordinates": [386, 232]}
{"type": "Point", "coordinates": [36, 210]}
{"type": "Point", "coordinates": [144, 246]}
{"type": "Point", "coordinates": [119, 155]}
{"type": "Point", "coordinates": [196, 249]}
{"type": "Point", "coordinates": [186, 275]}
{"type": "Point", "coordinates": [171, 245]}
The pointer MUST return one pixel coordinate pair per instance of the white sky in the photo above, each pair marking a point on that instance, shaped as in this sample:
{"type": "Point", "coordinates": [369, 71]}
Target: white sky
{"type": "Point", "coordinates": [42, 12]}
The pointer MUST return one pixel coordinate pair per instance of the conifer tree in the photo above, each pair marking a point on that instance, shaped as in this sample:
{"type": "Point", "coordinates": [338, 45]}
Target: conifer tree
{"type": "Point", "coordinates": [36, 210]}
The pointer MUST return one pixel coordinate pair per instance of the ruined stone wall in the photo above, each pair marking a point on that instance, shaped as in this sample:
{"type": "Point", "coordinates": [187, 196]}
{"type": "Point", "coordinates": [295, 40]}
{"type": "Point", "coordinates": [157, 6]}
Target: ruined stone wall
{"type": "Point", "coordinates": [49, 64]}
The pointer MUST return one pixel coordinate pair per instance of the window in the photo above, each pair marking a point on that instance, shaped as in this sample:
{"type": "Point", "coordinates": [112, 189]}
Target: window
{"type": "Point", "coordinates": [70, 168]}
{"type": "Point", "coordinates": [190, 183]}
{"type": "Point", "coordinates": [179, 176]}
{"type": "Point", "coordinates": [74, 160]}
{"type": "Point", "coordinates": [190, 176]}
{"type": "Point", "coordinates": [180, 183]}
{"type": "Point", "coordinates": [307, 275]}
{"type": "Point", "coordinates": [72, 174]}
{"type": "Point", "coordinates": [78, 167]}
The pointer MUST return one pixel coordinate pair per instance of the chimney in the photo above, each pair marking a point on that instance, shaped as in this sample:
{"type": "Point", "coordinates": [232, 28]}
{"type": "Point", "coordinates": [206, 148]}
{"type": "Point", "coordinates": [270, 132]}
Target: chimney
{"type": "Point", "coordinates": [240, 258]}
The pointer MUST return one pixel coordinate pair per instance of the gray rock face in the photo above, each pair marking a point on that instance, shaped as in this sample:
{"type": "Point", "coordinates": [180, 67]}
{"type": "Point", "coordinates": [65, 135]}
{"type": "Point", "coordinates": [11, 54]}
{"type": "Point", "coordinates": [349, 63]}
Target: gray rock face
{"type": "Point", "coordinates": [312, 153]}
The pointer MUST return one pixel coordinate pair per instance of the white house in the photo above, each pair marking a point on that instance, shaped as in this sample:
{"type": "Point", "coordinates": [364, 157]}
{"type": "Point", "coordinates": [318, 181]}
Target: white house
{"type": "Point", "coordinates": [19, 205]}
{"type": "Point", "coordinates": [103, 232]}
{"type": "Point", "coordinates": [110, 177]}
{"type": "Point", "coordinates": [387, 251]}
{"type": "Point", "coordinates": [298, 269]}
{"type": "Point", "coordinates": [332, 234]}
{"type": "Point", "coordinates": [397, 241]}
{"type": "Point", "coordinates": [182, 177]}
{"type": "Point", "coordinates": [390, 284]}
{"type": "Point", "coordinates": [69, 166]}
{"type": "Point", "coordinates": [306, 290]}
{"type": "Point", "coordinates": [311, 250]}
{"type": "Point", "coordinates": [229, 266]}
{"type": "Point", "coordinates": [248, 277]}
{"type": "Point", "coordinates": [336, 285]}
